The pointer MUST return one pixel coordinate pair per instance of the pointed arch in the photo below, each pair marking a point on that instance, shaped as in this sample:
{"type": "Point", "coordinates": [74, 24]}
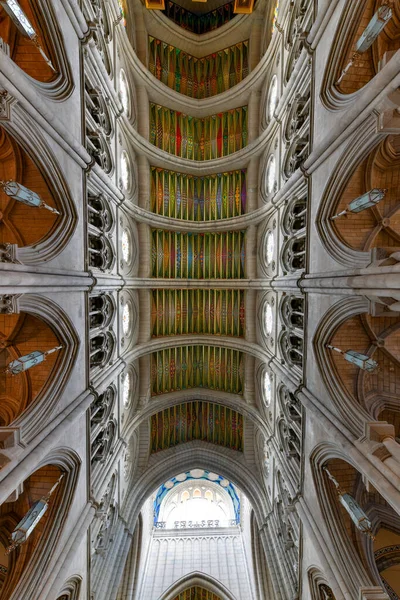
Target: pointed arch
{"type": "Point", "coordinates": [198, 579]}
{"type": "Point", "coordinates": [30, 140]}
{"type": "Point", "coordinates": [36, 415]}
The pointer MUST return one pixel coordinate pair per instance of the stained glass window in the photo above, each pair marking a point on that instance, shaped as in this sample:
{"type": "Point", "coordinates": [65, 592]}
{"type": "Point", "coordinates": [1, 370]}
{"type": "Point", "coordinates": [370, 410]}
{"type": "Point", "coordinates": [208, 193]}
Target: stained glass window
{"type": "Point", "coordinates": [268, 319]}
{"type": "Point", "coordinates": [270, 247]}
{"type": "Point", "coordinates": [125, 170]}
{"type": "Point", "coordinates": [126, 390]}
{"type": "Point", "coordinates": [126, 319]}
{"type": "Point", "coordinates": [271, 172]}
{"type": "Point", "coordinates": [267, 389]}
{"type": "Point", "coordinates": [123, 90]}
{"type": "Point", "coordinates": [19, 17]}
{"type": "Point", "coordinates": [126, 246]}
{"type": "Point", "coordinates": [276, 10]}
{"type": "Point", "coordinates": [272, 97]}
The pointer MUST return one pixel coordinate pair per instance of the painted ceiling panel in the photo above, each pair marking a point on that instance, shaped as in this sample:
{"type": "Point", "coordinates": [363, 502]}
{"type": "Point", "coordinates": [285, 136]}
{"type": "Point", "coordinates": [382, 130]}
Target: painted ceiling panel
{"type": "Point", "coordinates": [198, 198]}
{"type": "Point", "coordinates": [198, 255]}
{"type": "Point", "coordinates": [198, 138]}
{"type": "Point", "coordinates": [198, 77]}
{"type": "Point", "coordinates": [176, 312]}
{"type": "Point", "coordinates": [197, 421]}
{"type": "Point", "coordinates": [200, 17]}
{"type": "Point", "coordinates": [197, 593]}
{"type": "Point", "coordinates": [197, 366]}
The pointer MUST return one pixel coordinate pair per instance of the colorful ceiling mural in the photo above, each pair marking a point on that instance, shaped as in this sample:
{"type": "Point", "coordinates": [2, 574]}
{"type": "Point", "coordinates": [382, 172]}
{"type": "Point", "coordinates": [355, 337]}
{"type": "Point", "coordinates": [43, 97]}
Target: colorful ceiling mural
{"type": "Point", "coordinates": [198, 255]}
{"type": "Point", "coordinates": [199, 23]}
{"type": "Point", "coordinates": [198, 77]}
{"type": "Point", "coordinates": [197, 593]}
{"type": "Point", "coordinates": [196, 474]}
{"type": "Point", "coordinates": [193, 198]}
{"type": "Point", "coordinates": [197, 421]}
{"type": "Point", "coordinates": [188, 367]}
{"type": "Point", "coordinates": [198, 138]}
{"type": "Point", "coordinates": [176, 312]}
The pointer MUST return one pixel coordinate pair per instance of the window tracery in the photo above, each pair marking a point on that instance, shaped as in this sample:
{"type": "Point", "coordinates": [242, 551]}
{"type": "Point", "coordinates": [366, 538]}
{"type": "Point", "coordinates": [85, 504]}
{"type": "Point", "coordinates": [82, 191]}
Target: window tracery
{"type": "Point", "coordinates": [294, 254]}
{"type": "Point", "coordinates": [102, 426]}
{"type": "Point", "coordinates": [299, 21]}
{"type": "Point", "coordinates": [101, 349]}
{"type": "Point", "coordinates": [297, 134]}
{"type": "Point", "coordinates": [101, 254]}
{"type": "Point", "coordinates": [101, 311]}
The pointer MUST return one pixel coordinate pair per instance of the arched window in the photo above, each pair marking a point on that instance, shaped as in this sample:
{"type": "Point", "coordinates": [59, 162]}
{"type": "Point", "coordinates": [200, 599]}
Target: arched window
{"type": "Point", "coordinates": [294, 254]}
{"type": "Point", "coordinates": [125, 170]}
{"type": "Point", "coordinates": [269, 318]}
{"type": "Point", "coordinates": [292, 311]}
{"type": "Point", "coordinates": [101, 348]}
{"type": "Point", "coordinates": [270, 176]}
{"type": "Point", "coordinates": [292, 348]}
{"type": "Point", "coordinates": [124, 91]}
{"type": "Point", "coordinates": [272, 97]}
{"type": "Point", "coordinates": [126, 246]}
{"type": "Point", "coordinates": [101, 311]}
{"type": "Point", "coordinates": [99, 213]}
{"type": "Point", "coordinates": [267, 388]}
{"type": "Point", "coordinates": [269, 247]}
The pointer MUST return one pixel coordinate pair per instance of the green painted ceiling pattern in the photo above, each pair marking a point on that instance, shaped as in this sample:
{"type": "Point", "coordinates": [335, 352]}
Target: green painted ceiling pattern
{"type": "Point", "coordinates": [198, 77]}
{"type": "Point", "coordinates": [198, 255]}
{"type": "Point", "coordinates": [197, 421]}
{"type": "Point", "coordinates": [198, 138]}
{"type": "Point", "coordinates": [188, 367]}
{"type": "Point", "coordinates": [193, 198]}
{"type": "Point", "coordinates": [219, 312]}
{"type": "Point", "coordinates": [197, 593]}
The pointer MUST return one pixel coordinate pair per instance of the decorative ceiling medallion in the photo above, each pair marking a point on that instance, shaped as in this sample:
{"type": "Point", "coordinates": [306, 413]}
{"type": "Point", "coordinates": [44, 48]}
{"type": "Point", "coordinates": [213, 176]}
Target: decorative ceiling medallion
{"type": "Point", "coordinates": [243, 7]}
{"type": "Point", "coordinates": [155, 4]}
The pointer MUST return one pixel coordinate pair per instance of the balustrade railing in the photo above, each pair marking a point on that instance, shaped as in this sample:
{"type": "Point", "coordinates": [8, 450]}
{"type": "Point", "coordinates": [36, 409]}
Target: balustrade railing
{"type": "Point", "coordinates": [203, 524]}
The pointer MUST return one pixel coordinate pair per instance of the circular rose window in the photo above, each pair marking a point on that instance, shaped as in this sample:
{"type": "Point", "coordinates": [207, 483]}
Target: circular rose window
{"type": "Point", "coordinates": [270, 247]}
{"type": "Point", "coordinates": [267, 389]}
{"type": "Point", "coordinates": [272, 97]}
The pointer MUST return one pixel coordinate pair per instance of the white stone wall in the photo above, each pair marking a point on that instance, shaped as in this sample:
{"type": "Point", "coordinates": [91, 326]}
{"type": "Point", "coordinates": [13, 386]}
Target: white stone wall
{"type": "Point", "coordinates": [216, 553]}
